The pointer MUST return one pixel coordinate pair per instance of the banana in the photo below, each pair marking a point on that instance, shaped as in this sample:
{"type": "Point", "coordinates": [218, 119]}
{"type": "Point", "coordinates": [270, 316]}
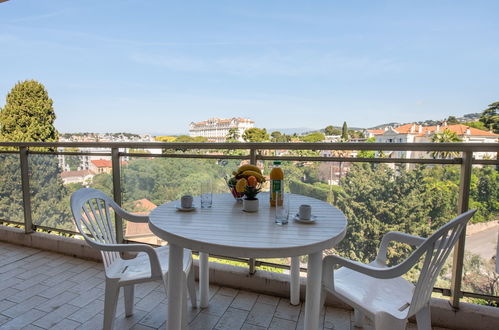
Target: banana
{"type": "Point", "coordinates": [248, 167]}
{"type": "Point", "coordinates": [257, 175]}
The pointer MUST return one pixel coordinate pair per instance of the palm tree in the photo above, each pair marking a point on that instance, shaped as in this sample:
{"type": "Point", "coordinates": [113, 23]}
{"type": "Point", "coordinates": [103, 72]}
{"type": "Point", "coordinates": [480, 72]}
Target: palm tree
{"type": "Point", "coordinates": [445, 137]}
{"type": "Point", "coordinates": [233, 134]}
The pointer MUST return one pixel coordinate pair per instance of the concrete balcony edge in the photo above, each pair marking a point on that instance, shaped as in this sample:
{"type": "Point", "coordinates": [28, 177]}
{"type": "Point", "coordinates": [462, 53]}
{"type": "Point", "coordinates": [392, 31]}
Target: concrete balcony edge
{"type": "Point", "coordinates": [469, 316]}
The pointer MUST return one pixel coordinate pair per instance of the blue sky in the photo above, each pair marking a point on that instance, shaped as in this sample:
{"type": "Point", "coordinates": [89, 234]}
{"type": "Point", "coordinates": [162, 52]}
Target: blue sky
{"type": "Point", "coordinates": [155, 66]}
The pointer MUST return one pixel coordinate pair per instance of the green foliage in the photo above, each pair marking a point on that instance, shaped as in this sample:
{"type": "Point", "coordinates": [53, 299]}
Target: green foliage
{"type": "Point", "coordinates": [277, 136]}
{"type": "Point", "coordinates": [256, 135]}
{"type": "Point", "coordinates": [452, 120]}
{"type": "Point", "coordinates": [378, 199]}
{"type": "Point", "coordinates": [233, 134]}
{"type": "Point", "coordinates": [344, 131]}
{"type": "Point", "coordinates": [73, 162]}
{"type": "Point", "coordinates": [190, 139]}
{"type": "Point", "coordinates": [490, 117]}
{"type": "Point", "coordinates": [446, 136]}
{"type": "Point", "coordinates": [165, 179]}
{"type": "Point", "coordinates": [313, 137]}
{"type": "Point", "coordinates": [367, 153]}
{"type": "Point", "coordinates": [477, 124]}
{"type": "Point", "coordinates": [28, 114]}
{"type": "Point", "coordinates": [251, 192]}
{"type": "Point", "coordinates": [331, 130]}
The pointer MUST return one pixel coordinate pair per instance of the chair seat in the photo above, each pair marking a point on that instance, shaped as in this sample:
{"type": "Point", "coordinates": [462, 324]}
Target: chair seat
{"type": "Point", "coordinates": [374, 295]}
{"type": "Point", "coordinates": [138, 268]}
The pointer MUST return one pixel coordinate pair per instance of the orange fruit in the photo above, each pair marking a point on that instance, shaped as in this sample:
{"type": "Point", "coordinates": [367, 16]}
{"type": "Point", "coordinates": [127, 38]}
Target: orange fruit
{"type": "Point", "coordinates": [252, 181]}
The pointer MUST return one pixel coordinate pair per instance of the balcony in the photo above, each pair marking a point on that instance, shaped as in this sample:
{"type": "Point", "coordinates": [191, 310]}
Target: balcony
{"type": "Point", "coordinates": [249, 293]}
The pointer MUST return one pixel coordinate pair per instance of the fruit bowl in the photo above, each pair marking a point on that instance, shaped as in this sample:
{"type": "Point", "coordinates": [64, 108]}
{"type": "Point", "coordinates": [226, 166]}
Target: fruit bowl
{"type": "Point", "coordinates": [239, 180]}
{"type": "Point", "coordinates": [235, 194]}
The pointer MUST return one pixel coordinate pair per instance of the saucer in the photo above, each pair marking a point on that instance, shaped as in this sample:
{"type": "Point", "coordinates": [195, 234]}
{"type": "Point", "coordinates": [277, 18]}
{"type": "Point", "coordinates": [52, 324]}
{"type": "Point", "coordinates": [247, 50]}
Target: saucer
{"type": "Point", "coordinates": [297, 219]}
{"type": "Point", "coordinates": [185, 209]}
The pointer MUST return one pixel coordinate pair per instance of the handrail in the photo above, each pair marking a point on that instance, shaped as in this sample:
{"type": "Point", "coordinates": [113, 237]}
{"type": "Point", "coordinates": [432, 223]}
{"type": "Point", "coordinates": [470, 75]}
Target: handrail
{"type": "Point", "coordinates": [116, 151]}
{"type": "Point", "coordinates": [473, 147]}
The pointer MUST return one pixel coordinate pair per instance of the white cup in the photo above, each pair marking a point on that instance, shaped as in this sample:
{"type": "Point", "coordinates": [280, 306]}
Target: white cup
{"type": "Point", "coordinates": [186, 202]}
{"type": "Point", "coordinates": [305, 212]}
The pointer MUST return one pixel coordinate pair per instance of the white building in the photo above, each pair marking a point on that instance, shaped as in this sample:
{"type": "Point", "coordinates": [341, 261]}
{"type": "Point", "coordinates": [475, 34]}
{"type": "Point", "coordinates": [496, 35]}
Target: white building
{"type": "Point", "coordinates": [216, 129]}
{"type": "Point", "coordinates": [412, 133]}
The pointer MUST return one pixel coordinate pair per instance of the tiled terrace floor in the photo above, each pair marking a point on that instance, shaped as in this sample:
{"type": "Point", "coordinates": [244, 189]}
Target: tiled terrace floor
{"type": "Point", "coordinates": [44, 290]}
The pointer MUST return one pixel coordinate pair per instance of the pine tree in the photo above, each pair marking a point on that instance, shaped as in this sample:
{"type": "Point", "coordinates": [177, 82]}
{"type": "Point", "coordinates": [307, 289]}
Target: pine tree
{"type": "Point", "coordinates": [490, 118]}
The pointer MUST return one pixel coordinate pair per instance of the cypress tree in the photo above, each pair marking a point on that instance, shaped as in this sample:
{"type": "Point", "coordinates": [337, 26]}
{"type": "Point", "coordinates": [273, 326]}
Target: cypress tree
{"type": "Point", "coordinates": [344, 131]}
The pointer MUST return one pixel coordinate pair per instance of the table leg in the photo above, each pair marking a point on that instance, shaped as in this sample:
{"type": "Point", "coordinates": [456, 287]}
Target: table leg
{"type": "Point", "coordinates": [313, 295]}
{"type": "Point", "coordinates": [295, 281]}
{"type": "Point", "coordinates": [175, 287]}
{"type": "Point", "coordinates": [204, 279]}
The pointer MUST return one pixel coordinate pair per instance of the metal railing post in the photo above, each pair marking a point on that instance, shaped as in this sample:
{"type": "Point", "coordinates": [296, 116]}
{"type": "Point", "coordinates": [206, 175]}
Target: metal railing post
{"type": "Point", "coordinates": [251, 261]}
{"type": "Point", "coordinates": [463, 204]}
{"type": "Point", "coordinates": [28, 220]}
{"type": "Point", "coordinates": [253, 156]}
{"type": "Point", "coordinates": [115, 159]}
{"type": "Point", "coordinates": [252, 266]}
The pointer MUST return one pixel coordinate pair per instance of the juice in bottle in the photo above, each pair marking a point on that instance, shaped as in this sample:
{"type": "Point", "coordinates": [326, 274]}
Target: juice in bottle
{"type": "Point", "coordinates": [276, 184]}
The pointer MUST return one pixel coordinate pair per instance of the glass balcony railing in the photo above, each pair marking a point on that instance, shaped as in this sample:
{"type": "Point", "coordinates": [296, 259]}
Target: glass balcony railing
{"type": "Point", "coordinates": [373, 184]}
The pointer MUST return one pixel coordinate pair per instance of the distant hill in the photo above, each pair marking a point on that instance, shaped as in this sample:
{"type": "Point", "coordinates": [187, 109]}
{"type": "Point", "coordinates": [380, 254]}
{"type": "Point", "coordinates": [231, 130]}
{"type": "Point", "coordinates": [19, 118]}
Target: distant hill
{"type": "Point", "coordinates": [291, 131]}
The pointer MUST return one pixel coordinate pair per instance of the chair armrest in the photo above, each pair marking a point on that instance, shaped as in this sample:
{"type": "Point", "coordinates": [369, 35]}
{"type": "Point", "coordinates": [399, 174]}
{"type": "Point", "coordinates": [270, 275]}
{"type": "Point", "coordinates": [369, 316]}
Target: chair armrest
{"type": "Point", "coordinates": [151, 253]}
{"type": "Point", "coordinates": [130, 216]}
{"type": "Point", "coordinates": [397, 237]}
{"type": "Point", "coordinates": [383, 273]}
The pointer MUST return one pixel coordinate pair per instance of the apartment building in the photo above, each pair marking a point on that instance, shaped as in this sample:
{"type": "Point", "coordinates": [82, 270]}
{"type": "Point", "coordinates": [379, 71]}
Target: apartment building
{"type": "Point", "coordinates": [217, 129]}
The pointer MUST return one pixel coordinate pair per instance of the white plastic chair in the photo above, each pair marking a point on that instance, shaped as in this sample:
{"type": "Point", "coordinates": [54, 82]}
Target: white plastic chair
{"type": "Point", "coordinates": [379, 292]}
{"type": "Point", "coordinates": [91, 211]}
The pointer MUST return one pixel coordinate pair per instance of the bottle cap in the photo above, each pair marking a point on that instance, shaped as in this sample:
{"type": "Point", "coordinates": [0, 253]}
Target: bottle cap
{"type": "Point", "coordinates": [277, 162]}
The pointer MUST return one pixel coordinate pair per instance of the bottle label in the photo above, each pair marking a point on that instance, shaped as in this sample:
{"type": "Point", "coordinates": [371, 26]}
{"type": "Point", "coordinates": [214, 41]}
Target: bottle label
{"type": "Point", "coordinates": [276, 186]}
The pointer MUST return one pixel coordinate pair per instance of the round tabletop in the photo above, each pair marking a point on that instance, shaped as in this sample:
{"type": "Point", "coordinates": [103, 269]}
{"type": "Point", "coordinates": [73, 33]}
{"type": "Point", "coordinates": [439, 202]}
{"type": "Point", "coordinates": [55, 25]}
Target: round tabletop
{"type": "Point", "coordinates": [225, 229]}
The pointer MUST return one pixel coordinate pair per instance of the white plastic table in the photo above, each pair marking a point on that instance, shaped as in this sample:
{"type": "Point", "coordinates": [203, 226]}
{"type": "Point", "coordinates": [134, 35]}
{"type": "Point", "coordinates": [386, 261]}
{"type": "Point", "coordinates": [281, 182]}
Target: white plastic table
{"type": "Point", "coordinates": [226, 230]}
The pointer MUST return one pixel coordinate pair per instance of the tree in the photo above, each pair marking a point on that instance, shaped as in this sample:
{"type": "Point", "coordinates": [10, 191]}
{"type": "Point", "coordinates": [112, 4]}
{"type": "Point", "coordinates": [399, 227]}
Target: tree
{"type": "Point", "coordinates": [490, 118]}
{"type": "Point", "coordinates": [477, 124]}
{"type": "Point", "coordinates": [255, 135]}
{"type": "Point", "coordinates": [277, 136]}
{"type": "Point", "coordinates": [331, 130]}
{"type": "Point", "coordinates": [190, 139]}
{"type": "Point", "coordinates": [313, 137]}
{"type": "Point", "coordinates": [233, 134]}
{"type": "Point", "coordinates": [446, 136]}
{"type": "Point", "coordinates": [344, 131]}
{"type": "Point", "coordinates": [73, 162]}
{"type": "Point", "coordinates": [367, 153]}
{"type": "Point", "coordinates": [28, 114]}
{"type": "Point", "coordinates": [452, 120]}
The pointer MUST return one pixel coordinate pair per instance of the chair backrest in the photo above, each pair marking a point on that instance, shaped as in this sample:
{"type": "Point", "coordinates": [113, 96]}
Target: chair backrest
{"type": "Point", "coordinates": [91, 212]}
{"type": "Point", "coordinates": [436, 250]}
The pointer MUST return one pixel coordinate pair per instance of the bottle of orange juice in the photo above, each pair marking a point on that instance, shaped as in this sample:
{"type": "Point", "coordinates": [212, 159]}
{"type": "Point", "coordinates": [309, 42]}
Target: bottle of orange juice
{"type": "Point", "coordinates": [276, 184]}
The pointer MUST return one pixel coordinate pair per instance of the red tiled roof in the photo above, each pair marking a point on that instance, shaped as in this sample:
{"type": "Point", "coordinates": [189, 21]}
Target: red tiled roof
{"type": "Point", "coordinates": [459, 129]}
{"type": "Point", "coordinates": [376, 131]}
{"type": "Point", "coordinates": [102, 163]}
{"type": "Point", "coordinates": [140, 229]}
{"type": "Point", "coordinates": [144, 204]}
